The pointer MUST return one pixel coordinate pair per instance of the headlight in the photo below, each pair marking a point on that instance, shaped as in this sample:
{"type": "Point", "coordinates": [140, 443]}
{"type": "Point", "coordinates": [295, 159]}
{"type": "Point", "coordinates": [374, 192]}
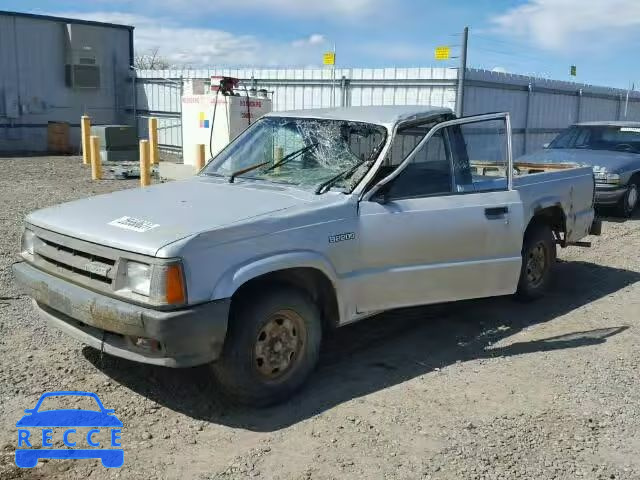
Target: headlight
{"type": "Point", "coordinates": [162, 284]}
{"type": "Point", "coordinates": [602, 176]}
{"type": "Point", "coordinates": [27, 242]}
{"type": "Point", "coordinates": [138, 278]}
{"type": "Point", "coordinates": [612, 178]}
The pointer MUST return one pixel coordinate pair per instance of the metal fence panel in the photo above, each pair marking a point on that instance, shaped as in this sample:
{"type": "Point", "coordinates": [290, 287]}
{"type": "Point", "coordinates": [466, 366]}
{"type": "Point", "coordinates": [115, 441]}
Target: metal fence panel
{"type": "Point", "coordinates": [539, 108]}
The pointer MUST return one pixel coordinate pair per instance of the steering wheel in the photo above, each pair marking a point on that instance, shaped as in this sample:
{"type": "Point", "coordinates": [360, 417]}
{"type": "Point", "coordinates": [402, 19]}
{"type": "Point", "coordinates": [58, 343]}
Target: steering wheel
{"type": "Point", "coordinates": [623, 146]}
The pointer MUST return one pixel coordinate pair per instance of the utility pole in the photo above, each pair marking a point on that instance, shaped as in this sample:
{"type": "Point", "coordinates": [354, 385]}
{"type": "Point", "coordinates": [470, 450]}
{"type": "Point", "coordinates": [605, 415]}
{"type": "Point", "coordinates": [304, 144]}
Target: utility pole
{"type": "Point", "coordinates": [462, 71]}
{"type": "Point", "coordinates": [333, 78]}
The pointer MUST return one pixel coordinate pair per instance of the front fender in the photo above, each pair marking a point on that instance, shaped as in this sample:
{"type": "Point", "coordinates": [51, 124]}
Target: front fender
{"type": "Point", "coordinates": [240, 274]}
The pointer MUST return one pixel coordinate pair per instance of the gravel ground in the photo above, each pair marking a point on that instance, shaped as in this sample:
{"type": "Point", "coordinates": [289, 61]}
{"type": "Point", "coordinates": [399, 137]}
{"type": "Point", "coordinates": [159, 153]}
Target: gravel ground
{"type": "Point", "coordinates": [485, 389]}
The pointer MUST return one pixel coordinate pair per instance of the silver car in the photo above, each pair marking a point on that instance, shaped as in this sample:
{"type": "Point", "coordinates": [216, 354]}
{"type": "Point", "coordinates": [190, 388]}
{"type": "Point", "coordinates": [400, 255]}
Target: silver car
{"type": "Point", "coordinates": [308, 221]}
{"type": "Point", "coordinates": [612, 149]}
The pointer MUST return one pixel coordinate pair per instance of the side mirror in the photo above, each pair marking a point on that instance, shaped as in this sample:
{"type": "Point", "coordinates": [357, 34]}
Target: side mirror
{"type": "Point", "coordinates": [546, 145]}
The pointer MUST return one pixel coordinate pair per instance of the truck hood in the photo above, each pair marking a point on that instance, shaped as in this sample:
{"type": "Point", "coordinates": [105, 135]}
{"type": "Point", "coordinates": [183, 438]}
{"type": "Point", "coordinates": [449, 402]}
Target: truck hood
{"type": "Point", "coordinates": [145, 220]}
{"type": "Point", "coordinates": [598, 159]}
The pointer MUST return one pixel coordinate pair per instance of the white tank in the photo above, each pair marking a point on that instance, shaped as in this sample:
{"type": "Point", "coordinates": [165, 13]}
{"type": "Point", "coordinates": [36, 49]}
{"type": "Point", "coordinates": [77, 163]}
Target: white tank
{"type": "Point", "coordinates": [232, 115]}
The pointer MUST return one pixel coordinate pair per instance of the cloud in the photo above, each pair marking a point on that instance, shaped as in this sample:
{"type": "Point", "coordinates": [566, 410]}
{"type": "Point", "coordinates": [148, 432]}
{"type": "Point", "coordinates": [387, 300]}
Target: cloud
{"type": "Point", "coordinates": [313, 39]}
{"type": "Point", "coordinates": [204, 47]}
{"type": "Point", "coordinates": [395, 51]}
{"type": "Point", "coordinates": [307, 7]}
{"type": "Point", "coordinates": [569, 25]}
{"type": "Point", "coordinates": [336, 9]}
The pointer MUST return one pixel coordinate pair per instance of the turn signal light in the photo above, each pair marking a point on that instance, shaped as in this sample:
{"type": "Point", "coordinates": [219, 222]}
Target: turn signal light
{"type": "Point", "coordinates": [174, 285]}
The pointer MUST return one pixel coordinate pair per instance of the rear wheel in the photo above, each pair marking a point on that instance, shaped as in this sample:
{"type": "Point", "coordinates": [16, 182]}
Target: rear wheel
{"type": "Point", "coordinates": [538, 258]}
{"type": "Point", "coordinates": [272, 346]}
{"type": "Point", "coordinates": [629, 201]}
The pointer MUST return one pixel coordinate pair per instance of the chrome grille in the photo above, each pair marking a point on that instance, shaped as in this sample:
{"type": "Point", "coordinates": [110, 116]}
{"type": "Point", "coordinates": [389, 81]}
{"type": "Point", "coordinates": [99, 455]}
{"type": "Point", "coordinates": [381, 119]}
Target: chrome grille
{"type": "Point", "coordinates": [66, 261]}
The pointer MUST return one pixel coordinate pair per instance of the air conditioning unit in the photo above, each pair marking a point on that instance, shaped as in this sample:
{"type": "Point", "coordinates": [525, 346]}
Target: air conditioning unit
{"type": "Point", "coordinates": [82, 76]}
{"type": "Point", "coordinates": [82, 68]}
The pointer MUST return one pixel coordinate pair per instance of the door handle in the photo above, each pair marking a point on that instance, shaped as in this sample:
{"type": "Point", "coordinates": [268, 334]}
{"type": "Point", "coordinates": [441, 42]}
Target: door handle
{"type": "Point", "coordinates": [496, 212]}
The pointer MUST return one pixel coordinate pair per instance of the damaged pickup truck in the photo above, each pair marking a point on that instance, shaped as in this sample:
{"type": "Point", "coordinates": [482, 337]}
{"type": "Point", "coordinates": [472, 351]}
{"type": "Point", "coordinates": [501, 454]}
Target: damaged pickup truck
{"type": "Point", "coordinates": [308, 221]}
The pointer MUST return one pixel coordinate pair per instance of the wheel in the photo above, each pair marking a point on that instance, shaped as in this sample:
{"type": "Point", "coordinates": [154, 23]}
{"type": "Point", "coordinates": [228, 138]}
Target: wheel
{"type": "Point", "coordinates": [538, 258]}
{"type": "Point", "coordinates": [272, 346]}
{"type": "Point", "coordinates": [629, 201]}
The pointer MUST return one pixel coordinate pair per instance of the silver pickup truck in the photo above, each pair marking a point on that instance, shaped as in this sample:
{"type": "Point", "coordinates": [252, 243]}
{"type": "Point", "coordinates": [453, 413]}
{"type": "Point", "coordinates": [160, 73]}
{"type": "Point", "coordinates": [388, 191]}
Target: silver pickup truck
{"type": "Point", "coordinates": [309, 220]}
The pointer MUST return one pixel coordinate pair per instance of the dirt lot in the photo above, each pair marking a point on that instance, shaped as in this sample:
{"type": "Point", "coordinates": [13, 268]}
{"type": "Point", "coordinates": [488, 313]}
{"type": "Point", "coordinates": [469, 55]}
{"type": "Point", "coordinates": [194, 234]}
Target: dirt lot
{"type": "Point", "coordinates": [480, 390]}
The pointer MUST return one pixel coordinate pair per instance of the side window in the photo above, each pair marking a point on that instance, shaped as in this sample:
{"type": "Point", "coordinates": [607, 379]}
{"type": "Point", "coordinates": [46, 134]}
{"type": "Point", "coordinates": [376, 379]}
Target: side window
{"type": "Point", "coordinates": [428, 173]}
{"type": "Point", "coordinates": [406, 141]}
{"type": "Point", "coordinates": [479, 154]}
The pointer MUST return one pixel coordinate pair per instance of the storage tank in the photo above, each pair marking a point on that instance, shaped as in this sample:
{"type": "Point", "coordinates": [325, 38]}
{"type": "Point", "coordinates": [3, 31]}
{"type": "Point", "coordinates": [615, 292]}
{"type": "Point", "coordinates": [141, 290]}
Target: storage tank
{"type": "Point", "coordinates": [215, 114]}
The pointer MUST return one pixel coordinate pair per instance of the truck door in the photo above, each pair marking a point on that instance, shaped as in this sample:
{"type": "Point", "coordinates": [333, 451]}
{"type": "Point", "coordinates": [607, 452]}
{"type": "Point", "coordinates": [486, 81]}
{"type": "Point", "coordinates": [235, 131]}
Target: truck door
{"type": "Point", "coordinates": [445, 224]}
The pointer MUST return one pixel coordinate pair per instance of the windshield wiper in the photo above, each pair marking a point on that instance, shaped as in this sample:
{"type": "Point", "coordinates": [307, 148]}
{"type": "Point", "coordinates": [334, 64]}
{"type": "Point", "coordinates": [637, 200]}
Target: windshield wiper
{"type": "Point", "coordinates": [245, 170]}
{"type": "Point", "coordinates": [285, 159]}
{"type": "Point", "coordinates": [349, 171]}
{"type": "Point", "coordinates": [291, 156]}
{"type": "Point", "coordinates": [345, 173]}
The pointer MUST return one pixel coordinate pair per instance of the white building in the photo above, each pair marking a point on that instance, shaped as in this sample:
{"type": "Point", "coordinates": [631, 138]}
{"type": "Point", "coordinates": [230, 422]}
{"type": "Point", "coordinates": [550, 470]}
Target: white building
{"type": "Point", "coordinates": [57, 69]}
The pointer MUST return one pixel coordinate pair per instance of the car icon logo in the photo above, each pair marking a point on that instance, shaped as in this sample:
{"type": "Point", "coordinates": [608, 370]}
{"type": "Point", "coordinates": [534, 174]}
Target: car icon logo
{"type": "Point", "coordinates": [37, 427]}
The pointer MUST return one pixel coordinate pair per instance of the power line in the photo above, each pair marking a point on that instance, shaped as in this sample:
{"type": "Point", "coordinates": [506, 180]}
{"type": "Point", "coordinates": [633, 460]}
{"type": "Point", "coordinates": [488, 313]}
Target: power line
{"type": "Point", "coordinates": [512, 54]}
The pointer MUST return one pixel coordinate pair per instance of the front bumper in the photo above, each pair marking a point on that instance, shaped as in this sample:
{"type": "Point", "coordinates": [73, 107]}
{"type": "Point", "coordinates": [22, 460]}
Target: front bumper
{"type": "Point", "coordinates": [609, 194]}
{"type": "Point", "coordinates": [180, 338]}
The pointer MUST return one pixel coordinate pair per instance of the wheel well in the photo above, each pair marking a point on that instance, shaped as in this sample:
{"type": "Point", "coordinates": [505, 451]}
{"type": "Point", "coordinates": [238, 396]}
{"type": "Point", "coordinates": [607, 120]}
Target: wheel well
{"type": "Point", "coordinates": [311, 280]}
{"type": "Point", "coordinates": [553, 217]}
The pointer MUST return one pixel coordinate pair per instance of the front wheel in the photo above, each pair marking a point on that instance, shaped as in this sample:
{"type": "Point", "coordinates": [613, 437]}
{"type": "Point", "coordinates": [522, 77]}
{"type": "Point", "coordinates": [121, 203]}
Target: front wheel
{"type": "Point", "coordinates": [629, 200]}
{"type": "Point", "coordinates": [538, 258]}
{"type": "Point", "coordinates": [272, 346]}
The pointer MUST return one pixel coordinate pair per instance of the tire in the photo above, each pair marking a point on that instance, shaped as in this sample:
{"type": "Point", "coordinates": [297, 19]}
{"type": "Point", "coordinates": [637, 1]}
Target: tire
{"type": "Point", "coordinates": [266, 328]}
{"type": "Point", "coordinates": [629, 201]}
{"type": "Point", "coordinates": [538, 259]}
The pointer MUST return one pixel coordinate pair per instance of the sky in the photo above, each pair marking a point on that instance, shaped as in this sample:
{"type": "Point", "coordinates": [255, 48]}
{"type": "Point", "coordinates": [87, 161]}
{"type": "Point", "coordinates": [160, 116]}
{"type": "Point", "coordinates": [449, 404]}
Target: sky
{"type": "Point", "coordinates": [530, 37]}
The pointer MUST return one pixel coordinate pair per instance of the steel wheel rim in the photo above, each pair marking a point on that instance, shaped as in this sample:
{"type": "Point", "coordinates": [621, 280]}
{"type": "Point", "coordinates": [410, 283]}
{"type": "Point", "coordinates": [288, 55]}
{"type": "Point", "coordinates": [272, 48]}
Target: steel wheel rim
{"type": "Point", "coordinates": [536, 264]}
{"type": "Point", "coordinates": [279, 345]}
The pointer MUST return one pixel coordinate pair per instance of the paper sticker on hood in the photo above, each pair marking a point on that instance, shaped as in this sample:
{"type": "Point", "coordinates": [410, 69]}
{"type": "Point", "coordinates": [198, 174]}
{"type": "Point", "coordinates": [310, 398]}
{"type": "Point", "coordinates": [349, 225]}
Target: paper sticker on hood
{"type": "Point", "coordinates": [135, 224]}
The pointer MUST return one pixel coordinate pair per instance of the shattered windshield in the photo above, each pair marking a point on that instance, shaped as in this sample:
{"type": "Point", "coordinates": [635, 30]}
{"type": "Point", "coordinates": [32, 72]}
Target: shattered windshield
{"type": "Point", "coordinates": [301, 151]}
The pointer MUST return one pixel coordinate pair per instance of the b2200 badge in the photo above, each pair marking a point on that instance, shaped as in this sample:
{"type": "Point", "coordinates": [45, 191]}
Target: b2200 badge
{"type": "Point", "coordinates": [341, 237]}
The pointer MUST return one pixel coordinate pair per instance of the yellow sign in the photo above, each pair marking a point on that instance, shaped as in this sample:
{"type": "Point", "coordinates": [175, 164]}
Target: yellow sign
{"type": "Point", "coordinates": [443, 53]}
{"type": "Point", "coordinates": [329, 58]}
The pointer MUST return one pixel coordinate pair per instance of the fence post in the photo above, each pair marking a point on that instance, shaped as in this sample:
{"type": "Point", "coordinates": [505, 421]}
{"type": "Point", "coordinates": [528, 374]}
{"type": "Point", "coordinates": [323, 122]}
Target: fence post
{"type": "Point", "coordinates": [579, 112]}
{"type": "Point", "coordinates": [96, 164]}
{"type": "Point", "coordinates": [619, 106]}
{"type": "Point", "coordinates": [153, 141]}
{"type": "Point", "coordinates": [344, 85]}
{"type": "Point", "coordinates": [200, 157]}
{"type": "Point", "coordinates": [85, 128]}
{"type": "Point", "coordinates": [526, 119]}
{"type": "Point", "coordinates": [145, 167]}
{"type": "Point", "coordinates": [277, 157]}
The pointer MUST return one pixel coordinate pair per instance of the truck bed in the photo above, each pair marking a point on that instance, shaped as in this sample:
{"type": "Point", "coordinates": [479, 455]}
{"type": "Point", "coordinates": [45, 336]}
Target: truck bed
{"type": "Point", "coordinates": [565, 187]}
{"type": "Point", "coordinates": [547, 185]}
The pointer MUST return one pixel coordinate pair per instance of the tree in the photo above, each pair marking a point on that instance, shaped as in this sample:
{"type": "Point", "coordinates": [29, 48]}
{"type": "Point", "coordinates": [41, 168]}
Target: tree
{"type": "Point", "coordinates": [150, 60]}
